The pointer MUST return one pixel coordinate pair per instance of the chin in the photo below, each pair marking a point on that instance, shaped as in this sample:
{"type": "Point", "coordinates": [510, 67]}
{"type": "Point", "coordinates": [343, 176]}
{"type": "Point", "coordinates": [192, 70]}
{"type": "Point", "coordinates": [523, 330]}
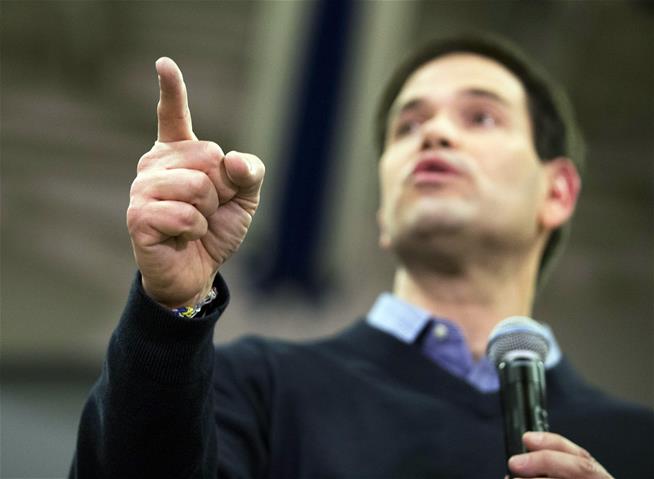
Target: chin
{"type": "Point", "coordinates": [430, 242]}
{"type": "Point", "coordinates": [443, 216]}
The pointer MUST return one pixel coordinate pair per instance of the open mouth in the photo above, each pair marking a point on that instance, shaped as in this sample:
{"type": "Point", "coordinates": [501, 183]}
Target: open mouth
{"type": "Point", "coordinates": [433, 169]}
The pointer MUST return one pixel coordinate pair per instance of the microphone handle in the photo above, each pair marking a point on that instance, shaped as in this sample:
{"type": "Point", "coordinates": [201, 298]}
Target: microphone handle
{"type": "Point", "coordinates": [522, 393]}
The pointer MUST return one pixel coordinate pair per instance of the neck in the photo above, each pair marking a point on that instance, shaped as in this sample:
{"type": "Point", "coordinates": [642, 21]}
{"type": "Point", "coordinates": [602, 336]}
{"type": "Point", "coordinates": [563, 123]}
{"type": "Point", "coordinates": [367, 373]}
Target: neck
{"type": "Point", "coordinates": [475, 299]}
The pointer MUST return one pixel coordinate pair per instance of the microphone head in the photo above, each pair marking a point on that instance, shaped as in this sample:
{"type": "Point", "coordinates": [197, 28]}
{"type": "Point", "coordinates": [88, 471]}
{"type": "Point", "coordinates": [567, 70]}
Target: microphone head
{"type": "Point", "coordinates": [517, 336]}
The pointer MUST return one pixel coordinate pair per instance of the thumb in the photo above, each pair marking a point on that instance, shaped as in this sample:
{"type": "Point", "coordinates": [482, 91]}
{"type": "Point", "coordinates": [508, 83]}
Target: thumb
{"type": "Point", "coordinates": [246, 172]}
{"type": "Point", "coordinates": [173, 115]}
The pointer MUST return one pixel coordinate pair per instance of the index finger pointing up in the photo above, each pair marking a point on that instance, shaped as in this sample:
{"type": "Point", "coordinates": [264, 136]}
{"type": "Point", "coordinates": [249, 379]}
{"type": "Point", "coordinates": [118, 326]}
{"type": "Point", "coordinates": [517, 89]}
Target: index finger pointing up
{"type": "Point", "coordinates": [173, 115]}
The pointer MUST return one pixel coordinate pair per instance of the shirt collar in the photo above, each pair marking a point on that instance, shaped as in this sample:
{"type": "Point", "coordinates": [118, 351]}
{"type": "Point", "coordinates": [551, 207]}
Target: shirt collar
{"type": "Point", "coordinates": [406, 321]}
{"type": "Point", "coordinates": [398, 318]}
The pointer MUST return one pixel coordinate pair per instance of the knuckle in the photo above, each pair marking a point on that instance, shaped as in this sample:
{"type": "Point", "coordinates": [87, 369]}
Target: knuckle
{"type": "Point", "coordinates": [136, 187]}
{"type": "Point", "coordinates": [144, 162]}
{"type": "Point", "coordinates": [195, 180]}
{"type": "Point", "coordinates": [186, 216]}
{"type": "Point", "coordinates": [168, 112]}
{"type": "Point", "coordinates": [587, 466]}
{"type": "Point", "coordinates": [584, 453]}
{"type": "Point", "coordinates": [546, 459]}
{"type": "Point", "coordinates": [539, 457]}
{"type": "Point", "coordinates": [154, 155]}
{"type": "Point", "coordinates": [133, 216]}
{"type": "Point", "coordinates": [143, 185]}
{"type": "Point", "coordinates": [206, 187]}
{"type": "Point", "coordinates": [197, 184]}
{"type": "Point", "coordinates": [213, 150]}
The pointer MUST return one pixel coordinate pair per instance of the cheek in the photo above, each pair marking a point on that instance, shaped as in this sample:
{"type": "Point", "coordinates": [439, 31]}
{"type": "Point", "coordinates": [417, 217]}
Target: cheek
{"type": "Point", "coordinates": [511, 181]}
{"type": "Point", "coordinates": [390, 174]}
{"type": "Point", "coordinates": [509, 162]}
{"type": "Point", "coordinates": [383, 183]}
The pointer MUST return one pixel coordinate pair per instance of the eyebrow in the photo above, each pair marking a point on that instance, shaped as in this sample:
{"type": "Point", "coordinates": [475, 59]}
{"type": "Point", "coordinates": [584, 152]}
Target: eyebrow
{"type": "Point", "coordinates": [417, 103]}
{"type": "Point", "coordinates": [482, 93]}
{"type": "Point", "coordinates": [397, 109]}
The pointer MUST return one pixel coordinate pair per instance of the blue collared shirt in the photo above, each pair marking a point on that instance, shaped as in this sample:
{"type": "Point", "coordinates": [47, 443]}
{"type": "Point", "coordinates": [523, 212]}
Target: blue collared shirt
{"type": "Point", "coordinates": [444, 343]}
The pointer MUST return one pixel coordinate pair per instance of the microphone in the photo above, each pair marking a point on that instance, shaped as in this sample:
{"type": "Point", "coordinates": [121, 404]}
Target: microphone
{"type": "Point", "coordinates": [518, 347]}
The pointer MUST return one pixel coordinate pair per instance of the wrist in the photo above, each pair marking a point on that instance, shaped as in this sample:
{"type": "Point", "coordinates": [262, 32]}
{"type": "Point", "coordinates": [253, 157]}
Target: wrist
{"type": "Point", "coordinates": [195, 309]}
{"type": "Point", "coordinates": [173, 297]}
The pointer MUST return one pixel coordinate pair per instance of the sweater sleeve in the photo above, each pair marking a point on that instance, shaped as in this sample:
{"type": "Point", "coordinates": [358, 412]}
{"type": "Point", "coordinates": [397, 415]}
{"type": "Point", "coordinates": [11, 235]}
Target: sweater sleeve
{"type": "Point", "coordinates": [151, 413]}
{"type": "Point", "coordinates": [244, 396]}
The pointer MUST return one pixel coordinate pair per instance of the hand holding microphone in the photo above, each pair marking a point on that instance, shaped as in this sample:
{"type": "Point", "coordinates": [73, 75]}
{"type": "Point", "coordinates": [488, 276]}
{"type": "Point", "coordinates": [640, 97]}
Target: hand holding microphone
{"type": "Point", "coordinates": [518, 347]}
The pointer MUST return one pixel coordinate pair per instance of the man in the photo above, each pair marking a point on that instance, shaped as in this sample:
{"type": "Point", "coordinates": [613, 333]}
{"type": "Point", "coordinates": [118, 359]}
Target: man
{"type": "Point", "coordinates": [478, 180]}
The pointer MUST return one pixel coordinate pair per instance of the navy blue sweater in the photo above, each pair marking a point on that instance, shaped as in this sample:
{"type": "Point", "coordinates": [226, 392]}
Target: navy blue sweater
{"type": "Point", "coordinates": [359, 405]}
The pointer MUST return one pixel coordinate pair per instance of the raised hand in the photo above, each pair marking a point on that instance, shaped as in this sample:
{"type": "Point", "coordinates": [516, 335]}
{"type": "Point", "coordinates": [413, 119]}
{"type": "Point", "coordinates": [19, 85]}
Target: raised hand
{"type": "Point", "coordinates": [190, 204]}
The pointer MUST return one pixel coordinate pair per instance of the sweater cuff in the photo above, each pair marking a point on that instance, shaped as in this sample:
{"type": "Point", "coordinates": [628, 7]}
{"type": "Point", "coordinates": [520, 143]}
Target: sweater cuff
{"type": "Point", "coordinates": [167, 348]}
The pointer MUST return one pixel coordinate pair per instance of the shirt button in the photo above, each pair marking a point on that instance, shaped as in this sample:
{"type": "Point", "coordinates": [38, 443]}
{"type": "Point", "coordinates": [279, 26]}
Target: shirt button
{"type": "Point", "coordinates": [440, 331]}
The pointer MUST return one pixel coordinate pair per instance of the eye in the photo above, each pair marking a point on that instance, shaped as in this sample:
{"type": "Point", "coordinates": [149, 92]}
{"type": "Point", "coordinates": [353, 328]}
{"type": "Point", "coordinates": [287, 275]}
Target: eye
{"type": "Point", "coordinates": [405, 127]}
{"type": "Point", "coordinates": [482, 118]}
{"type": "Point", "coordinates": [481, 115]}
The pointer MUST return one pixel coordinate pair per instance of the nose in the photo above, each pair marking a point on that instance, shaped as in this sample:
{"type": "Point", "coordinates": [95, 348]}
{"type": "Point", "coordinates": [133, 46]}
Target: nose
{"type": "Point", "coordinates": [439, 132]}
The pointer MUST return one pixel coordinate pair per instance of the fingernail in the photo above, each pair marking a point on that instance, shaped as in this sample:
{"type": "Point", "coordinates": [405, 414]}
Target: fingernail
{"type": "Point", "coordinates": [536, 437]}
{"type": "Point", "coordinates": [519, 460]}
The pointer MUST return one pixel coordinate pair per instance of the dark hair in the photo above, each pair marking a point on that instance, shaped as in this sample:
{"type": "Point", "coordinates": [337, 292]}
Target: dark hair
{"type": "Point", "coordinates": [554, 126]}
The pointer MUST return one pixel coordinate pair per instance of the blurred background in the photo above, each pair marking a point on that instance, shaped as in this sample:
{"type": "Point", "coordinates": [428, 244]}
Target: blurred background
{"type": "Point", "coordinates": [295, 83]}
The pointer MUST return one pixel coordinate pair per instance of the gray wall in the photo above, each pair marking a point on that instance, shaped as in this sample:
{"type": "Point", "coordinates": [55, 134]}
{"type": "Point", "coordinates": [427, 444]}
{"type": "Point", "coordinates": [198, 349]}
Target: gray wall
{"type": "Point", "coordinates": [78, 109]}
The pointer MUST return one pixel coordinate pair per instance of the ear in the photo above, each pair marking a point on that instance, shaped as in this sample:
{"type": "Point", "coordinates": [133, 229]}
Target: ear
{"type": "Point", "coordinates": [563, 187]}
{"type": "Point", "coordinates": [384, 239]}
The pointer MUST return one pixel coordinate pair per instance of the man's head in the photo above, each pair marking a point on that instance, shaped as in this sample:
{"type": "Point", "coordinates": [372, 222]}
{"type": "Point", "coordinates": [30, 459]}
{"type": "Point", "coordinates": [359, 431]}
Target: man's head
{"type": "Point", "coordinates": [500, 141]}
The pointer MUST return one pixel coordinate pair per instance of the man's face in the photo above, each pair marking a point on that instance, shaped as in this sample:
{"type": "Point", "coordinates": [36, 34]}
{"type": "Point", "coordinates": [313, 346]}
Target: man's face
{"type": "Point", "coordinates": [459, 157]}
